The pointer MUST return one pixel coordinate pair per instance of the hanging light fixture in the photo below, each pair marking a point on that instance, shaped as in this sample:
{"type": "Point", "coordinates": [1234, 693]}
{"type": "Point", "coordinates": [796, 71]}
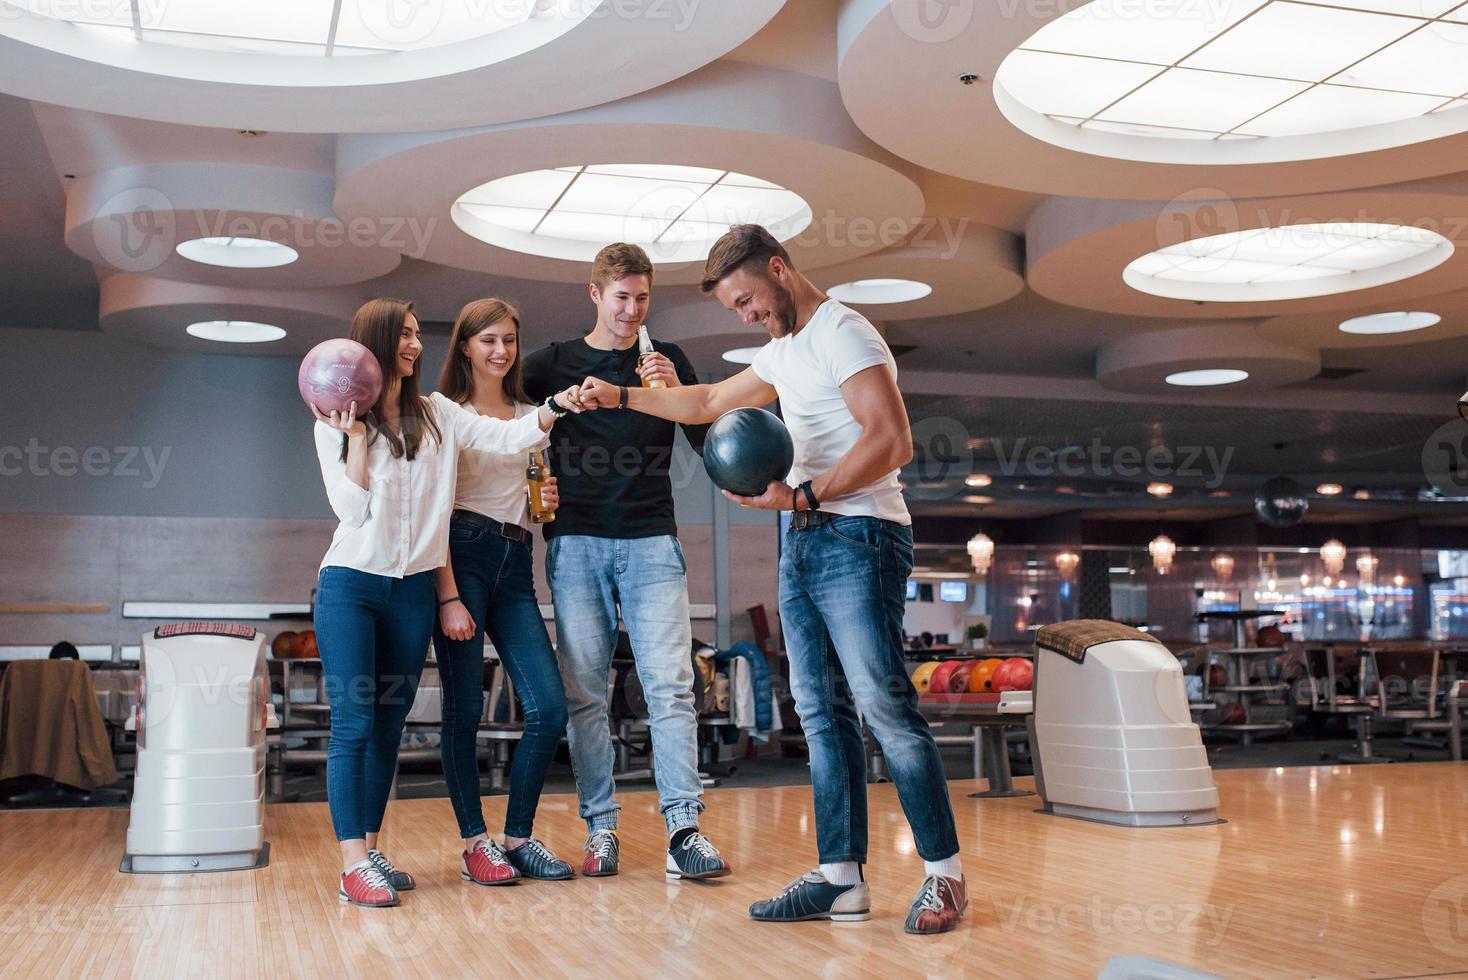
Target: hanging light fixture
{"type": "Point", "coordinates": [1067, 561]}
{"type": "Point", "coordinates": [981, 552]}
{"type": "Point", "coordinates": [1223, 566]}
{"type": "Point", "coordinates": [1333, 553]}
{"type": "Point", "coordinates": [1162, 550]}
{"type": "Point", "coordinates": [1366, 568]}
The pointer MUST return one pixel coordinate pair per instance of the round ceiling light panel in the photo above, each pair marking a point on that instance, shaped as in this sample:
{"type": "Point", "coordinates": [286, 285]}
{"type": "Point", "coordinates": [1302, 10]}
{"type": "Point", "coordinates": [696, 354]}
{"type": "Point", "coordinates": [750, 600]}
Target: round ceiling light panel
{"type": "Point", "coordinates": [675, 212]}
{"type": "Point", "coordinates": [1288, 262]}
{"type": "Point", "coordinates": [879, 291]}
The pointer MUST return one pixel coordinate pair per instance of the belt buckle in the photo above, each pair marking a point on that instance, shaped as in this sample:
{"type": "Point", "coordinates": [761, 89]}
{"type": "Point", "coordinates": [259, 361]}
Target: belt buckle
{"type": "Point", "coordinates": [512, 532]}
{"type": "Point", "coordinates": [803, 520]}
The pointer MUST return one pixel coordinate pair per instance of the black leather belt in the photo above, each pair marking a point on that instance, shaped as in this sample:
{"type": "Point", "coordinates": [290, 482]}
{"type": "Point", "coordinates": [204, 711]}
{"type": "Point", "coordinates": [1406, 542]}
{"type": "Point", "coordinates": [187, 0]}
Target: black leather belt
{"type": "Point", "coordinates": [804, 520]}
{"type": "Point", "coordinates": [512, 531]}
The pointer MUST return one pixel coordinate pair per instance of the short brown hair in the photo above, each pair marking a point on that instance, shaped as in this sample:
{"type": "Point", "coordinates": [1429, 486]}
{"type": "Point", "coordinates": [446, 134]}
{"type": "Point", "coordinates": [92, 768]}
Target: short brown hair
{"type": "Point", "coordinates": [741, 245]}
{"type": "Point", "coordinates": [618, 261]}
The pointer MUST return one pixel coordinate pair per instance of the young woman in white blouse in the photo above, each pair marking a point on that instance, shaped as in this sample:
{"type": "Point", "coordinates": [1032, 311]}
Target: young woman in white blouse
{"type": "Point", "coordinates": [492, 576]}
{"type": "Point", "coordinates": [390, 476]}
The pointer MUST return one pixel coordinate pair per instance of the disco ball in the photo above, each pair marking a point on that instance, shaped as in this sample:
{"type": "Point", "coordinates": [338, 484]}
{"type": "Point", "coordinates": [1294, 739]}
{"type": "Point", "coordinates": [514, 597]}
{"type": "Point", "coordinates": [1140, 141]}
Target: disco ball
{"type": "Point", "coordinates": [1281, 502]}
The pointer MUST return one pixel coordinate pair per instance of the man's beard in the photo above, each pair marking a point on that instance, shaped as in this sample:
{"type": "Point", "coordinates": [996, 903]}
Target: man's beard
{"type": "Point", "coordinates": [783, 315]}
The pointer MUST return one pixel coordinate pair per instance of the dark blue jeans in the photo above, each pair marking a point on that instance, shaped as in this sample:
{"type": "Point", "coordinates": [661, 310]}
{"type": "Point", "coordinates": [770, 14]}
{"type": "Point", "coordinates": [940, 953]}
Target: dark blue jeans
{"type": "Point", "coordinates": [373, 635]}
{"type": "Point", "coordinates": [842, 593]}
{"type": "Point", "coordinates": [496, 582]}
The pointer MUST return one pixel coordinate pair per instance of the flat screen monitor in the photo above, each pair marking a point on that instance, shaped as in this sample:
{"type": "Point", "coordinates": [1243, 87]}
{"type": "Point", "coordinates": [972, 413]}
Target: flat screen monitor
{"type": "Point", "coordinates": [953, 591]}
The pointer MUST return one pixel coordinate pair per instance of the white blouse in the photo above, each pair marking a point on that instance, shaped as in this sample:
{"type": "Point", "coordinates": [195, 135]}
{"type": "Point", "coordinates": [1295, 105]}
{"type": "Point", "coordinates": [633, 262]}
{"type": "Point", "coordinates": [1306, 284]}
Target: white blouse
{"type": "Point", "coordinates": [493, 484]}
{"type": "Point", "coordinates": [400, 525]}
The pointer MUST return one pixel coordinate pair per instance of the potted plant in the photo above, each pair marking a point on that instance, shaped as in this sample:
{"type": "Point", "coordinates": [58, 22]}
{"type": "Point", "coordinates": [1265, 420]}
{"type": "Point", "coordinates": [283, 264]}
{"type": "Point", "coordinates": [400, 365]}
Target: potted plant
{"type": "Point", "coordinates": [976, 634]}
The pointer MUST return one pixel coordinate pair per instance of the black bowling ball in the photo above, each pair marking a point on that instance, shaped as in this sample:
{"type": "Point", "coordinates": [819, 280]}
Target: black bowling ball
{"type": "Point", "coordinates": [746, 449]}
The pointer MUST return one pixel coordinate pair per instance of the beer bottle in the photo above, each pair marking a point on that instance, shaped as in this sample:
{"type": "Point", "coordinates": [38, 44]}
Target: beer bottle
{"type": "Point", "coordinates": [644, 348]}
{"type": "Point", "coordinates": [535, 476]}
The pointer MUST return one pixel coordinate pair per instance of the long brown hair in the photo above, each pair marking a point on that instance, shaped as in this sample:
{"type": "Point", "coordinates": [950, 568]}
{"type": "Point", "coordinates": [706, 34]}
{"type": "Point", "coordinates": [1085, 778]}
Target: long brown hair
{"type": "Point", "coordinates": [378, 326]}
{"type": "Point", "coordinates": [456, 380]}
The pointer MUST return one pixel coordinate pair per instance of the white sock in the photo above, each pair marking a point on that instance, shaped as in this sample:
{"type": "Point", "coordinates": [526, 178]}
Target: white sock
{"type": "Point", "coordinates": [948, 867]}
{"type": "Point", "coordinates": [844, 873]}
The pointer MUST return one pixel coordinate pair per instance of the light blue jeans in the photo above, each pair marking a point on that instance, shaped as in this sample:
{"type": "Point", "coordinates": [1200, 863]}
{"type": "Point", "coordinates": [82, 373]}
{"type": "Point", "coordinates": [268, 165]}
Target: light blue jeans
{"type": "Point", "coordinates": [590, 578]}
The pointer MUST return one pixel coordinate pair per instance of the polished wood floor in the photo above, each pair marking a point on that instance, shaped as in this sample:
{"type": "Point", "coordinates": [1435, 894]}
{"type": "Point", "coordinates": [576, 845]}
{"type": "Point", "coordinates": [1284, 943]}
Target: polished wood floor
{"type": "Point", "coordinates": [1319, 872]}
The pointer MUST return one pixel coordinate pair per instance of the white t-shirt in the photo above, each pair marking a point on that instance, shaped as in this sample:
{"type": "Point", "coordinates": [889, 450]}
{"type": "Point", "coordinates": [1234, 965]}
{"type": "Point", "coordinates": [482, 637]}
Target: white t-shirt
{"type": "Point", "coordinates": [807, 370]}
{"type": "Point", "coordinates": [493, 484]}
{"type": "Point", "coordinates": [399, 526]}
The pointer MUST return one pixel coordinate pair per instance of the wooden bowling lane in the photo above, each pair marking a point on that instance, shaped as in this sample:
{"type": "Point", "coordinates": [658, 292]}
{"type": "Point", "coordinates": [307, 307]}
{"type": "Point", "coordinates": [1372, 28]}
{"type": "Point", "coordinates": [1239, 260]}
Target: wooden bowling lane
{"type": "Point", "coordinates": [1319, 872]}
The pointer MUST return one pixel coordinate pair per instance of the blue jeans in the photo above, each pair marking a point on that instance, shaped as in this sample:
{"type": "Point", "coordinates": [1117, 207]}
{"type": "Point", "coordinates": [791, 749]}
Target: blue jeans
{"type": "Point", "coordinates": [496, 583]}
{"type": "Point", "coordinates": [842, 593]}
{"type": "Point", "coordinates": [373, 635]}
{"type": "Point", "coordinates": [589, 578]}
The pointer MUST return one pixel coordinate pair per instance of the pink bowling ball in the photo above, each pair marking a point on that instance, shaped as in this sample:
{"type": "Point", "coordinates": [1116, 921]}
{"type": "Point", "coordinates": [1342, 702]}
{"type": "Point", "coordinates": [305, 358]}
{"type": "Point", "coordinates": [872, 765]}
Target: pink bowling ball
{"type": "Point", "coordinates": [338, 372]}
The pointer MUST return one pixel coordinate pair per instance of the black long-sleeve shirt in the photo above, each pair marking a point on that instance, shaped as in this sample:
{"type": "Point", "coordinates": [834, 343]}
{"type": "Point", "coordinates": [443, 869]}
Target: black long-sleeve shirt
{"type": "Point", "coordinates": [613, 465]}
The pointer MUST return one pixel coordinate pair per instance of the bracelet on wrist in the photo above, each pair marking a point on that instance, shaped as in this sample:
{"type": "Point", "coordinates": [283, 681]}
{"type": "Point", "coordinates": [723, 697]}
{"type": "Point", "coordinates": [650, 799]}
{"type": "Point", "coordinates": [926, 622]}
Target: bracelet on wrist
{"type": "Point", "coordinates": [445, 602]}
{"type": "Point", "coordinates": [555, 408]}
{"type": "Point", "coordinates": [622, 396]}
{"type": "Point", "coordinates": [810, 496]}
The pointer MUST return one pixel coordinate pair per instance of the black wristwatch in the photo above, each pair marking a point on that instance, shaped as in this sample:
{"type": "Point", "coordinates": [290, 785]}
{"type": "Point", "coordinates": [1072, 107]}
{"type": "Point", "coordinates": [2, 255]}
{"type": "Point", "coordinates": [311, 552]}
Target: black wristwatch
{"type": "Point", "coordinates": [811, 502]}
{"type": "Point", "coordinates": [556, 409]}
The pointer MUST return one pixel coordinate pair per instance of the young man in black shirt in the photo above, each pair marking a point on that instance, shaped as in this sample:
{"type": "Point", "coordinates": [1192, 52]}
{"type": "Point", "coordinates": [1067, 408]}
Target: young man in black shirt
{"type": "Point", "coordinates": [614, 545]}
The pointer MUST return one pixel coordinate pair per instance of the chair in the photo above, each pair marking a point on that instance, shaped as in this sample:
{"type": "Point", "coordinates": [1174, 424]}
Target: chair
{"type": "Point", "coordinates": [1324, 668]}
{"type": "Point", "coordinates": [1457, 694]}
{"type": "Point", "coordinates": [1414, 703]}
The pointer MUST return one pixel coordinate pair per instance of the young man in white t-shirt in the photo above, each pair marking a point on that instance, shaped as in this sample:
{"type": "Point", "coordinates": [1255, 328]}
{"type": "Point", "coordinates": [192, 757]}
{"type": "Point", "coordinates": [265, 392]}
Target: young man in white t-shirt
{"type": "Point", "coordinates": [843, 570]}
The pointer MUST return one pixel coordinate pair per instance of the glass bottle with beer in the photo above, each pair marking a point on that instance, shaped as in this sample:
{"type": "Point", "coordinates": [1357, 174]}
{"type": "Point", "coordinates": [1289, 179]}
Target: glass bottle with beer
{"type": "Point", "coordinates": [536, 475]}
{"type": "Point", "coordinates": [644, 348]}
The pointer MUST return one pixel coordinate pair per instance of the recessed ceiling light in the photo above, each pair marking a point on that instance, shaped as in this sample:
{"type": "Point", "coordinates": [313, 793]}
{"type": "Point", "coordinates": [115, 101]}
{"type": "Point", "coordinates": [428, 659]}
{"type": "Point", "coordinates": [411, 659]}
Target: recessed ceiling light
{"type": "Point", "coordinates": [978, 480]}
{"type": "Point", "coordinates": [1328, 489]}
{"type": "Point", "coordinates": [1177, 85]}
{"type": "Point", "coordinates": [974, 498]}
{"type": "Point", "coordinates": [873, 291]}
{"type": "Point", "coordinates": [676, 213]}
{"type": "Point", "coordinates": [235, 331]}
{"type": "Point", "coordinates": [1380, 323]}
{"type": "Point", "coordinates": [1288, 262]}
{"type": "Point", "coordinates": [1362, 494]}
{"type": "Point", "coordinates": [741, 355]}
{"type": "Point", "coordinates": [238, 253]}
{"type": "Point", "coordinates": [1160, 489]}
{"type": "Point", "coordinates": [1207, 377]}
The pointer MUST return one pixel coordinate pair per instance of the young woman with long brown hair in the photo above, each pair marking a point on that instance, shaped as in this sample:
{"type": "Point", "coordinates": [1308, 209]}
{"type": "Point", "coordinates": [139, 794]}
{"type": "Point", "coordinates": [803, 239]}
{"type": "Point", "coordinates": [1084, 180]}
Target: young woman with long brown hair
{"type": "Point", "coordinates": [492, 575]}
{"type": "Point", "coordinates": [390, 477]}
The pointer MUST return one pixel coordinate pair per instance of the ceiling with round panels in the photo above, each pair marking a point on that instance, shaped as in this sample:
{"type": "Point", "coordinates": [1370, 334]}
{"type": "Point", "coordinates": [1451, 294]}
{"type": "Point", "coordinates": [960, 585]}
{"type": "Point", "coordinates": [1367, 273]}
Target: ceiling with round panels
{"type": "Point", "coordinates": [1175, 77]}
{"type": "Point", "coordinates": [1187, 202]}
{"type": "Point", "coordinates": [322, 66]}
{"type": "Point", "coordinates": [1118, 98]}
